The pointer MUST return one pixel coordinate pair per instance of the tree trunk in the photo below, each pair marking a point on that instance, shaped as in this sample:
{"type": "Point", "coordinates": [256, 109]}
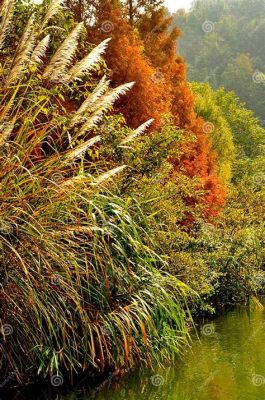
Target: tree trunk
{"type": "Point", "coordinates": [131, 11]}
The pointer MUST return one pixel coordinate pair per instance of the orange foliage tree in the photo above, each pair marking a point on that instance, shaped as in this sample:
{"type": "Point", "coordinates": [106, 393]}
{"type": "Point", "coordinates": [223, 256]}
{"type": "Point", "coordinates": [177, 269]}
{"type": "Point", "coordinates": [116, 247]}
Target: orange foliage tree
{"type": "Point", "coordinates": [198, 157]}
{"type": "Point", "coordinates": [127, 62]}
{"type": "Point", "coordinates": [144, 51]}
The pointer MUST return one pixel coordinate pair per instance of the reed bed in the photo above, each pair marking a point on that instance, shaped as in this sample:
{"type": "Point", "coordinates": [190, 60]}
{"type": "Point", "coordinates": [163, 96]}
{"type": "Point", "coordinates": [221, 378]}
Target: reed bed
{"type": "Point", "coordinates": [81, 287]}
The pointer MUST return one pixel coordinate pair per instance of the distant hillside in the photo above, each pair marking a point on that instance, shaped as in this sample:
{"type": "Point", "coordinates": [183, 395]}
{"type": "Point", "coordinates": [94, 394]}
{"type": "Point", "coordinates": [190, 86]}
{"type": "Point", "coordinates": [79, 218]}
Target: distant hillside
{"type": "Point", "coordinates": [223, 42]}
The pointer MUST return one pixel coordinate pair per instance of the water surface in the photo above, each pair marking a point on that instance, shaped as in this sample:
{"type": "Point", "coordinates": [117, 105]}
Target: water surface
{"type": "Point", "coordinates": [226, 362]}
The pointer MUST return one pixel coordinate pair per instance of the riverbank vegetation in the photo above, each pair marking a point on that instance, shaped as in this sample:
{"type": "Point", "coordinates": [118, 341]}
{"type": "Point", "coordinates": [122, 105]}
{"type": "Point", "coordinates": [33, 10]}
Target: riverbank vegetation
{"type": "Point", "coordinates": [131, 200]}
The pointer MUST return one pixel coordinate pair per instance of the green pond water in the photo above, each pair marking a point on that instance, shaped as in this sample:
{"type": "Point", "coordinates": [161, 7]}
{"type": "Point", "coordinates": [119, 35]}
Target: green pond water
{"type": "Point", "coordinates": [225, 362]}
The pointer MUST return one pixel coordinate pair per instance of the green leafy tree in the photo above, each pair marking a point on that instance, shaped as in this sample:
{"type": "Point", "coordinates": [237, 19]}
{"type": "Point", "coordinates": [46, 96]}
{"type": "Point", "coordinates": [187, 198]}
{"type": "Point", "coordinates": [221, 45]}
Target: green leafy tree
{"type": "Point", "coordinates": [219, 130]}
{"type": "Point", "coordinates": [248, 134]}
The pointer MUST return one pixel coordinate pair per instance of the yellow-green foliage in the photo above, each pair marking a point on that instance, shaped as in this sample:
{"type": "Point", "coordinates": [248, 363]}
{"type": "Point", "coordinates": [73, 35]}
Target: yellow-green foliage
{"type": "Point", "coordinates": [222, 259]}
{"type": "Point", "coordinates": [221, 134]}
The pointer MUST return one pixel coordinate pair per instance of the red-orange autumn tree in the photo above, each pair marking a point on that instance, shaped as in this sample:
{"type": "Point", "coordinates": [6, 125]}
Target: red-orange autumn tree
{"type": "Point", "coordinates": [198, 157]}
{"type": "Point", "coordinates": [126, 59]}
{"type": "Point", "coordinates": [160, 47]}
{"type": "Point", "coordinates": [143, 50]}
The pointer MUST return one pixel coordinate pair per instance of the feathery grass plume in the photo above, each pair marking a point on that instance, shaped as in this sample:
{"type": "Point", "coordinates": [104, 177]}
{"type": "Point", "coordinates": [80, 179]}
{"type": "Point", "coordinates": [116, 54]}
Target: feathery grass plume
{"type": "Point", "coordinates": [6, 129]}
{"type": "Point", "coordinates": [139, 131]}
{"type": "Point", "coordinates": [40, 50]}
{"type": "Point", "coordinates": [55, 7]}
{"type": "Point", "coordinates": [100, 89]}
{"type": "Point", "coordinates": [28, 31]}
{"type": "Point", "coordinates": [78, 151]}
{"type": "Point", "coordinates": [23, 52]}
{"type": "Point", "coordinates": [57, 67]}
{"type": "Point", "coordinates": [107, 175]}
{"type": "Point", "coordinates": [91, 122]}
{"type": "Point", "coordinates": [82, 68]}
{"type": "Point", "coordinates": [103, 104]}
{"type": "Point", "coordinates": [7, 13]}
{"type": "Point", "coordinates": [22, 60]}
{"type": "Point", "coordinates": [108, 100]}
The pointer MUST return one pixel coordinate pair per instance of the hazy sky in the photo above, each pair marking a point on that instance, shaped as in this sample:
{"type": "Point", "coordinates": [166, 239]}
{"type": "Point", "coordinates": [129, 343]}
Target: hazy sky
{"type": "Point", "coordinates": [174, 5]}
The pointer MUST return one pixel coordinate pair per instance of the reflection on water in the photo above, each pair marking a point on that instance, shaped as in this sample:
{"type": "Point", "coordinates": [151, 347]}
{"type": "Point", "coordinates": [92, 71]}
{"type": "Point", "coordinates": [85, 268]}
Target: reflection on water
{"type": "Point", "coordinates": [227, 362]}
